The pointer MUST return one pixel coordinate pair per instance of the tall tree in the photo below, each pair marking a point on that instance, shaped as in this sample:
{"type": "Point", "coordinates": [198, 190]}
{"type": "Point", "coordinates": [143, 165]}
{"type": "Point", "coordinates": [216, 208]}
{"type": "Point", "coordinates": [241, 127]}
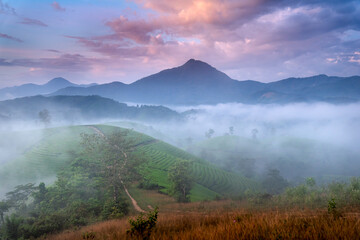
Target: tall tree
{"type": "Point", "coordinates": [4, 207]}
{"type": "Point", "coordinates": [117, 161]}
{"type": "Point", "coordinates": [181, 180]}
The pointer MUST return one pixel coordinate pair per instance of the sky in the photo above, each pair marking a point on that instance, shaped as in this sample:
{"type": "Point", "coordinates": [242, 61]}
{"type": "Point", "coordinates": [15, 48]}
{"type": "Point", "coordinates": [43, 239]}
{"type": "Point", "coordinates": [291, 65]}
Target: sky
{"type": "Point", "coordinates": [103, 41]}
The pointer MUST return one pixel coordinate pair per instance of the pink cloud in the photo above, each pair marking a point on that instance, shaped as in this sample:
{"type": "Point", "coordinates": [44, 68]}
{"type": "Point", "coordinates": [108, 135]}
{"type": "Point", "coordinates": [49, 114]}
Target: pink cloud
{"type": "Point", "coordinates": [137, 30]}
{"type": "Point", "coordinates": [57, 7]}
{"type": "Point", "coordinates": [2, 35]}
{"type": "Point", "coordinates": [30, 21]}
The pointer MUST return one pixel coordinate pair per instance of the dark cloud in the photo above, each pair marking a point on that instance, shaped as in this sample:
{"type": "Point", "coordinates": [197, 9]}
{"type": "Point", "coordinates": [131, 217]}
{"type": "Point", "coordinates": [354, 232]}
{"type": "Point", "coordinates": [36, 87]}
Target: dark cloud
{"type": "Point", "coordinates": [136, 30]}
{"type": "Point", "coordinates": [57, 7]}
{"type": "Point", "coordinates": [2, 35]}
{"type": "Point", "coordinates": [53, 50]}
{"type": "Point", "coordinates": [69, 62]}
{"type": "Point", "coordinates": [30, 21]}
{"type": "Point", "coordinates": [123, 48]}
{"type": "Point", "coordinates": [6, 9]}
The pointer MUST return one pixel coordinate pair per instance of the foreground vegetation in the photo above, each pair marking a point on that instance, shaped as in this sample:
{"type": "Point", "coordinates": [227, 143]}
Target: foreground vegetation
{"type": "Point", "coordinates": [232, 224]}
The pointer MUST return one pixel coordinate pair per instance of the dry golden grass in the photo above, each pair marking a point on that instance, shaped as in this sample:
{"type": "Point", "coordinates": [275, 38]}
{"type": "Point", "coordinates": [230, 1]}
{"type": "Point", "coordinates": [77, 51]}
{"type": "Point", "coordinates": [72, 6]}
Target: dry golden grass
{"type": "Point", "coordinates": [233, 224]}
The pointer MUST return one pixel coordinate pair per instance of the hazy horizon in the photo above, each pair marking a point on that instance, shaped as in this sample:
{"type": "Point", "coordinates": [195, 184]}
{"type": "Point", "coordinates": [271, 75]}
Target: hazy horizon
{"type": "Point", "coordinates": [106, 41]}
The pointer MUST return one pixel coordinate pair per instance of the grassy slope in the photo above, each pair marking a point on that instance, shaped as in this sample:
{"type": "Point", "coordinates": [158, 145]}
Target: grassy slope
{"type": "Point", "coordinates": [59, 145]}
{"type": "Point", "coordinates": [44, 158]}
{"type": "Point", "coordinates": [209, 180]}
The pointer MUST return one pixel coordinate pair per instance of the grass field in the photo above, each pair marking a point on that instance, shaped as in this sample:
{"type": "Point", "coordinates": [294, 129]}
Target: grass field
{"type": "Point", "coordinates": [221, 220]}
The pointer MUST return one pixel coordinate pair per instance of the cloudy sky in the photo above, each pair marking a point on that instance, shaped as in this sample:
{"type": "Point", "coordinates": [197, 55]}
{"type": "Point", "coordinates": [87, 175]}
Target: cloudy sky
{"type": "Point", "coordinates": [114, 40]}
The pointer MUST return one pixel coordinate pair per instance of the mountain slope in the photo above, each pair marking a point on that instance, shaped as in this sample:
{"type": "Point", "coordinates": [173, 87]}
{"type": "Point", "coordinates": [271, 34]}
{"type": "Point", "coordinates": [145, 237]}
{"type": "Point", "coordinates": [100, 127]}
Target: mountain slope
{"type": "Point", "coordinates": [197, 82]}
{"type": "Point", "coordinates": [34, 89]}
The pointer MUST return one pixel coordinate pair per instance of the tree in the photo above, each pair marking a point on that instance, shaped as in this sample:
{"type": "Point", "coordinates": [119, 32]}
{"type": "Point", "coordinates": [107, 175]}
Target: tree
{"type": "Point", "coordinates": [273, 182]}
{"type": "Point", "coordinates": [4, 207]}
{"type": "Point", "coordinates": [254, 133]}
{"type": "Point", "coordinates": [231, 130]}
{"type": "Point", "coordinates": [209, 133]}
{"type": "Point", "coordinates": [39, 196]}
{"type": "Point", "coordinates": [246, 166]}
{"type": "Point", "coordinates": [181, 180]}
{"type": "Point", "coordinates": [310, 182]}
{"type": "Point", "coordinates": [20, 195]}
{"type": "Point", "coordinates": [45, 117]}
{"type": "Point", "coordinates": [117, 163]}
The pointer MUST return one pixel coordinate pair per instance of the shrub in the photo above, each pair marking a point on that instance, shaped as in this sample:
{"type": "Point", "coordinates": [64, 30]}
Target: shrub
{"type": "Point", "coordinates": [332, 208]}
{"type": "Point", "coordinates": [88, 235]}
{"type": "Point", "coordinates": [142, 227]}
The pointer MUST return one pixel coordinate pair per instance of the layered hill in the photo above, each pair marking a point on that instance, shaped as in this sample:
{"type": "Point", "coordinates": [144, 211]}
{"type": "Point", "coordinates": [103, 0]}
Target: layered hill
{"type": "Point", "coordinates": [35, 89]}
{"type": "Point", "coordinates": [79, 108]}
{"type": "Point", "coordinates": [57, 147]}
{"type": "Point", "coordinates": [197, 82]}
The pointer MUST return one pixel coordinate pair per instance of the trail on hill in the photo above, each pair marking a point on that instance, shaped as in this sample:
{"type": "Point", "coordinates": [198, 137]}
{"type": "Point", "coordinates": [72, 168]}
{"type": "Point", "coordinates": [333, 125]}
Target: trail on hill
{"type": "Point", "coordinates": [133, 201]}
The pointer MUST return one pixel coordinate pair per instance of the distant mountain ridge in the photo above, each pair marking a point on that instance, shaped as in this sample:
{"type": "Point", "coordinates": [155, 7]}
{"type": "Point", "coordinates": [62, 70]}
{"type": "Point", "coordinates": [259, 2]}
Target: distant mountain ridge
{"type": "Point", "coordinates": [31, 89]}
{"type": "Point", "coordinates": [197, 82]}
{"type": "Point", "coordinates": [79, 109]}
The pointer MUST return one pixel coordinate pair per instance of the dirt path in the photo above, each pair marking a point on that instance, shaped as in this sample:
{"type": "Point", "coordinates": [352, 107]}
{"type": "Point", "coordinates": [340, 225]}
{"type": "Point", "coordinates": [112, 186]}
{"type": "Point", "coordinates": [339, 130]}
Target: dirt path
{"type": "Point", "coordinates": [133, 201]}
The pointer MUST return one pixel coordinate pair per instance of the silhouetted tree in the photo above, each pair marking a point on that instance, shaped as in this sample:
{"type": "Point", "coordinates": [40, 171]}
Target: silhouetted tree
{"type": "Point", "coordinates": [20, 195]}
{"type": "Point", "coordinates": [254, 133]}
{"type": "Point", "coordinates": [273, 182]}
{"type": "Point", "coordinates": [4, 207]}
{"type": "Point", "coordinates": [45, 117]}
{"type": "Point", "coordinates": [231, 130]}
{"type": "Point", "coordinates": [209, 133]}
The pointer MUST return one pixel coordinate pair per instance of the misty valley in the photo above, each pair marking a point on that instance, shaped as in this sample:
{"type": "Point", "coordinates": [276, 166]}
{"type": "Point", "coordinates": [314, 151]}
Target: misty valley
{"type": "Point", "coordinates": [185, 153]}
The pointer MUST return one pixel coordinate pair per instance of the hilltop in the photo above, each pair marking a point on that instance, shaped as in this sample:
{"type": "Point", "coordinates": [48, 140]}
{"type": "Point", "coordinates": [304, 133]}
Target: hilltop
{"type": "Point", "coordinates": [55, 148]}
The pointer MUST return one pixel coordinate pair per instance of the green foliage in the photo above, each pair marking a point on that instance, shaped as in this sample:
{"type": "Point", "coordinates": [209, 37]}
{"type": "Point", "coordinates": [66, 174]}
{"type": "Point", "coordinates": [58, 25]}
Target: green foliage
{"type": "Point", "coordinates": [4, 207]}
{"type": "Point", "coordinates": [181, 180]}
{"type": "Point", "coordinates": [13, 228]}
{"type": "Point", "coordinates": [115, 209]}
{"type": "Point", "coordinates": [87, 190]}
{"type": "Point", "coordinates": [310, 182]}
{"type": "Point", "coordinates": [331, 206]}
{"type": "Point", "coordinates": [21, 194]}
{"type": "Point", "coordinates": [273, 183]}
{"type": "Point", "coordinates": [88, 235]}
{"type": "Point", "coordinates": [142, 227]}
{"type": "Point", "coordinates": [332, 209]}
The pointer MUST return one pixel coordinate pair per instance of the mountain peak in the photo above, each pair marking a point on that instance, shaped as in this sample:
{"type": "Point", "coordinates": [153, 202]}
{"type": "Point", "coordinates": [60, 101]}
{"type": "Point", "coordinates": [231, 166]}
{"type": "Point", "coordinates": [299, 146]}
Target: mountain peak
{"type": "Point", "coordinates": [197, 65]}
{"type": "Point", "coordinates": [191, 61]}
{"type": "Point", "coordinates": [58, 80]}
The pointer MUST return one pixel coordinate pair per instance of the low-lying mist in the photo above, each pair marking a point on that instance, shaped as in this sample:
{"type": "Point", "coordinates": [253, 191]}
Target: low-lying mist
{"type": "Point", "coordinates": [301, 140]}
{"type": "Point", "coordinates": [335, 124]}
